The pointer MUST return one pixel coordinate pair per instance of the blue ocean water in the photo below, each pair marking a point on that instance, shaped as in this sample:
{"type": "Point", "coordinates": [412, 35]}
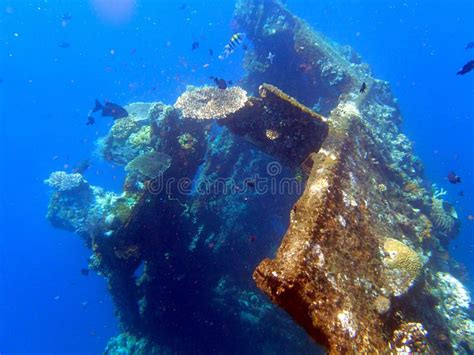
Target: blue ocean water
{"type": "Point", "coordinates": [141, 51]}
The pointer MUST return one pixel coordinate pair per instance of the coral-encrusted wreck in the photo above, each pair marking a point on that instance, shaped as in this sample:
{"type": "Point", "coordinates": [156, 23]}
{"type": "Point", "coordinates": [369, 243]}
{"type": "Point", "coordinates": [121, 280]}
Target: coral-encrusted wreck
{"type": "Point", "coordinates": [363, 265]}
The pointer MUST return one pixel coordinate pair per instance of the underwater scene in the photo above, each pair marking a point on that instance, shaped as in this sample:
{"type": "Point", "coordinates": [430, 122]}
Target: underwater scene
{"type": "Point", "coordinates": [236, 177]}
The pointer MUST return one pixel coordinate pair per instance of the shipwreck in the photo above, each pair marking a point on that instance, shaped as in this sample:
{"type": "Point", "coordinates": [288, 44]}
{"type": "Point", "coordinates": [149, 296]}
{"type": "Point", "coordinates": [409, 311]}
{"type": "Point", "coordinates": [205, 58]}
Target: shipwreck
{"type": "Point", "coordinates": [288, 215]}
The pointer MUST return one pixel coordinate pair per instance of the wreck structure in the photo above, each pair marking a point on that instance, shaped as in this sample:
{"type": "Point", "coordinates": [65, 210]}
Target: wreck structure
{"type": "Point", "coordinates": [300, 184]}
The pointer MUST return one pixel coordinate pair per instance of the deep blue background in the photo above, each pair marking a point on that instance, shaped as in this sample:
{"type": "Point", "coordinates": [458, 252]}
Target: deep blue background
{"type": "Point", "coordinates": [46, 92]}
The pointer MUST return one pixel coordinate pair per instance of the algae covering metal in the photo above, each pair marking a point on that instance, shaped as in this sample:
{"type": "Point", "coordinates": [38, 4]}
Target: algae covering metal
{"type": "Point", "coordinates": [279, 125]}
{"type": "Point", "coordinates": [354, 264]}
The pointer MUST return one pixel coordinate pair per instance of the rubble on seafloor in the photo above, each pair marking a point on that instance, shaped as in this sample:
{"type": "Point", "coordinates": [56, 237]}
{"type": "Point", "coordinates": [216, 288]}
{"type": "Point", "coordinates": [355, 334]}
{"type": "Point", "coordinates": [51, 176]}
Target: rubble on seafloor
{"type": "Point", "coordinates": [362, 266]}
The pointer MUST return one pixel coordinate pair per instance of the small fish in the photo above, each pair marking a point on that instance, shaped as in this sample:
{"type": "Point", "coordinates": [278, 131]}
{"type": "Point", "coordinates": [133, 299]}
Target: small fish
{"type": "Point", "coordinates": [81, 167]}
{"type": "Point", "coordinates": [66, 17]}
{"type": "Point", "coordinates": [84, 272]}
{"type": "Point", "coordinates": [211, 52]}
{"type": "Point", "coordinates": [221, 83]}
{"type": "Point", "coordinates": [252, 238]}
{"type": "Point", "coordinates": [64, 45]}
{"type": "Point", "coordinates": [470, 217]}
{"type": "Point", "coordinates": [270, 57]}
{"type": "Point", "coordinates": [466, 68]}
{"type": "Point", "coordinates": [195, 46]}
{"type": "Point", "coordinates": [470, 45]}
{"type": "Point", "coordinates": [110, 109]}
{"type": "Point", "coordinates": [363, 88]}
{"type": "Point", "coordinates": [183, 6]}
{"type": "Point", "coordinates": [229, 48]}
{"type": "Point", "coordinates": [90, 121]}
{"type": "Point", "coordinates": [453, 178]}
{"type": "Point", "coordinates": [245, 47]}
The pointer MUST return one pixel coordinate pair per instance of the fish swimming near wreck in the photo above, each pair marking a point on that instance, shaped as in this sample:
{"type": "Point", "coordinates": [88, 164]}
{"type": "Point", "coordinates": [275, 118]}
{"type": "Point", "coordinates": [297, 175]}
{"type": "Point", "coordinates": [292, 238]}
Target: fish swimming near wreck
{"type": "Point", "coordinates": [109, 109]}
{"type": "Point", "coordinates": [233, 43]}
{"type": "Point", "coordinates": [453, 178]}
{"type": "Point", "coordinates": [466, 68]}
{"type": "Point", "coordinates": [221, 83]}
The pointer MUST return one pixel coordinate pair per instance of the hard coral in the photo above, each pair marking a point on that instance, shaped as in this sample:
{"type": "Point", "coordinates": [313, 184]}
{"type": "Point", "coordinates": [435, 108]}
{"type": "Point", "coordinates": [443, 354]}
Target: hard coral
{"type": "Point", "coordinates": [403, 265]}
{"type": "Point", "coordinates": [211, 103]}
{"type": "Point", "coordinates": [151, 165]}
{"type": "Point", "coordinates": [62, 181]}
{"type": "Point", "coordinates": [444, 217]}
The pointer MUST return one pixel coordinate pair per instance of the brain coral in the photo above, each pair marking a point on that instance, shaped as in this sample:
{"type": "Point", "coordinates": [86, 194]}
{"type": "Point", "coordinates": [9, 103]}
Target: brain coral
{"type": "Point", "coordinates": [403, 265]}
{"type": "Point", "coordinates": [211, 103]}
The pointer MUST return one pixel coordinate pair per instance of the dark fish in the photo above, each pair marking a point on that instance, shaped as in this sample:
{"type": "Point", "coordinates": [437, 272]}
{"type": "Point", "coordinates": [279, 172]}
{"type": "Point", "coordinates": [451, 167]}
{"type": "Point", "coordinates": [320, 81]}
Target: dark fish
{"type": "Point", "coordinates": [66, 17]}
{"type": "Point", "coordinates": [195, 46]}
{"type": "Point", "coordinates": [250, 183]}
{"type": "Point", "coordinates": [84, 272]}
{"type": "Point", "coordinates": [81, 167]}
{"type": "Point", "coordinates": [363, 88]}
{"type": "Point", "coordinates": [453, 178]}
{"type": "Point", "coordinates": [245, 47]}
{"type": "Point", "coordinates": [470, 45]}
{"type": "Point", "coordinates": [211, 52]}
{"type": "Point", "coordinates": [461, 193]}
{"type": "Point", "coordinates": [64, 45]}
{"type": "Point", "coordinates": [110, 110]}
{"type": "Point", "coordinates": [90, 121]}
{"type": "Point", "coordinates": [183, 6]}
{"type": "Point", "coordinates": [466, 68]}
{"type": "Point", "coordinates": [221, 83]}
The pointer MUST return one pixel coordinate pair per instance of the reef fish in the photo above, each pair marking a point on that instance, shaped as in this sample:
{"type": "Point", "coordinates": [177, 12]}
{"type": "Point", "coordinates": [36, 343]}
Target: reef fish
{"type": "Point", "coordinates": [466, 68]}
{"type": "Point", "coordinates": [195, 46]}
{"type": "Point", "coordinates": [363, 88]}
{"type": "Point", "coordinates": [453, 178]}
{"type": "Point", "coordinates": [221, 83]}
{"type": "Point", "coordinates": [234, 41]}
{"type": "Point", "coordinates": [110, 109]}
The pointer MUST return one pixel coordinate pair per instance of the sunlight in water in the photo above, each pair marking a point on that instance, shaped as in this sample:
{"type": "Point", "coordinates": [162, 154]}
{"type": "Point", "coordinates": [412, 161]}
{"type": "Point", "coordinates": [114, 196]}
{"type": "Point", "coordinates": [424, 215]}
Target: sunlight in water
{"type": "Point", "coordinates": [114, 11]}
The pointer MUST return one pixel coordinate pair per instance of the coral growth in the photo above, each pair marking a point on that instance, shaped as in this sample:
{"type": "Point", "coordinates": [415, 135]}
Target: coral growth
{"type": "Point", "coordinates": [150, 165]}
{"type": "Point", "coordinates": [410, 338]}
{"type": "Point", "coordinates": [403, 265]}
{"type": "Point", "coordinates": [211, 103]}
{"type": "Point", "coordinates": [444, 217]}
{"type": "Point", "coordinates": [128, 138]}
{"type": "Point", "coordinates": [454, 302]}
